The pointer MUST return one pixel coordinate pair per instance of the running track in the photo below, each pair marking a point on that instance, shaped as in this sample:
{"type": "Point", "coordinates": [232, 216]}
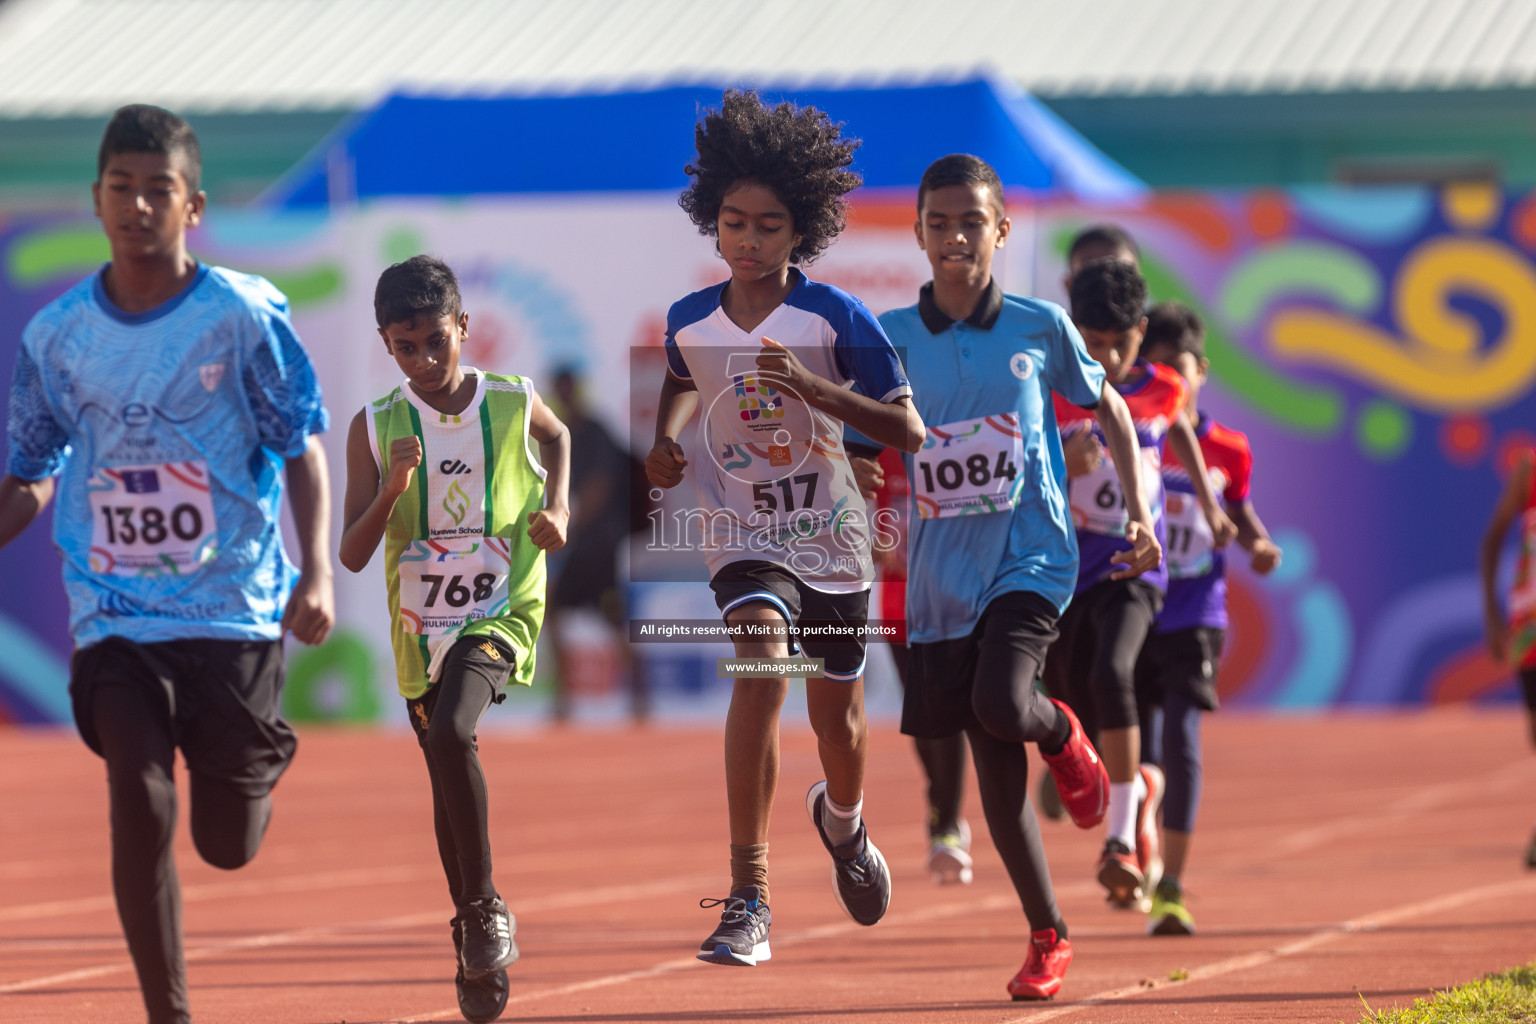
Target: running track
{"type": "Point", "coordinates": [1340, 855]}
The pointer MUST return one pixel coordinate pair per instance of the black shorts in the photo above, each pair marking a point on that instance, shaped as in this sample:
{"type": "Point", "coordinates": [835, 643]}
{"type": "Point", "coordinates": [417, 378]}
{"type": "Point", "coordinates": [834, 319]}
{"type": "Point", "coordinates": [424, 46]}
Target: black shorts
{"type": "Point", "coordinates": [481, 654]}
{"type": "Point", "coordinates": [1528, 684]}
{"type": "Point", "coordinates": [220, 698]}
{"type": "Point", "coordinates": [1185, 661]}
{"type": "Point", "coordinates": [825, 626]}
{"type": "Point", "coordinates": [940, 675]}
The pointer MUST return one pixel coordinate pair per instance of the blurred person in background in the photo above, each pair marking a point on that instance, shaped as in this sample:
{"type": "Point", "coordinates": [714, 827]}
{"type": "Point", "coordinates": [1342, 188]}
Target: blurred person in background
{"type": "Point", "coordinates": [605, 511]}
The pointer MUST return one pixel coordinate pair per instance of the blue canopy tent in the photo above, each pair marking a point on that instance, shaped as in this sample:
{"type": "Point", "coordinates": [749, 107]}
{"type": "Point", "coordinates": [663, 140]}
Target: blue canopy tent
{"type": "Point", "coordinates": [640, 141]}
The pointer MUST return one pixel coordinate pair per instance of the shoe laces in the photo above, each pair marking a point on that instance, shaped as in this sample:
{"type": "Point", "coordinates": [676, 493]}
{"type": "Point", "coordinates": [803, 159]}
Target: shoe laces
{"type": "Point", "coordinates": [1039, 947]}
{"type": "Point", "coordinates": [482, 914]}
{"type": "Point", "coordinates": [736, 910]}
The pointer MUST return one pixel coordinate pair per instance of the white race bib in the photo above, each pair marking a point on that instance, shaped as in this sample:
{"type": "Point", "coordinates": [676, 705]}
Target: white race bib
{"type": "Point", "coordinates": [446, 583]}
{"type": "Point", "coordinates": [1098, 504]}
{"type": "Point", "coordinates": [1190, 542]}
{"type": "Point", "coordinates": [152, 520]}
{"type": "Point", "coordinates": [971, 467]}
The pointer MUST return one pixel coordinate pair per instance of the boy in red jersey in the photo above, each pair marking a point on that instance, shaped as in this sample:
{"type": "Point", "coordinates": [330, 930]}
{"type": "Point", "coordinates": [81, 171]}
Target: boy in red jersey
{"type": "Point", "coordinates": [1512, 641]}
{"type": "Point", "coordinates": [1176, 674]}
{"type": "Point", "coordinates": [1092, 665]}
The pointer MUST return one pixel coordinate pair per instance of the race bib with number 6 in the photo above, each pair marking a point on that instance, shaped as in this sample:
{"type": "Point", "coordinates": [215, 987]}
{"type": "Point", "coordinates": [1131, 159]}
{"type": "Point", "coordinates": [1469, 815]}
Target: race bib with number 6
{"type": "Point", "coordinates": [447, 583]}
{"type": "Point", "coordinates": [1098, 504]}
{"type": "Point", "coordinates": [152, 520]}
{"type": "Point", "coordinates": [970, 467]}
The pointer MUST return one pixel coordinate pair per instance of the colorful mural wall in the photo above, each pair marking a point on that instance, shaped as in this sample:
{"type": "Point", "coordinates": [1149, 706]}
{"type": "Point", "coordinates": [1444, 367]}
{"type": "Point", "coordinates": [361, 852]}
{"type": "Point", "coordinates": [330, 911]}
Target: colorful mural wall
{"type": "Point", "coordinates": [1378, 347]}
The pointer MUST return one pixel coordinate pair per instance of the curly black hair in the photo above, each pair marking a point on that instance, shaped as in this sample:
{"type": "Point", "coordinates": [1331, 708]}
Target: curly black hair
{"type": "Point", "coordinates": [796, 152]}
{"type": "Point", "coordinates": [1108, 295]}
{"type": "Point", "coordinates": [1177, 326]}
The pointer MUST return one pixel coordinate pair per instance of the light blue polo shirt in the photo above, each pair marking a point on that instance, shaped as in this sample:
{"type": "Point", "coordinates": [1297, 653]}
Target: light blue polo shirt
{"type": "Point", "coordinates": [1007, 357]}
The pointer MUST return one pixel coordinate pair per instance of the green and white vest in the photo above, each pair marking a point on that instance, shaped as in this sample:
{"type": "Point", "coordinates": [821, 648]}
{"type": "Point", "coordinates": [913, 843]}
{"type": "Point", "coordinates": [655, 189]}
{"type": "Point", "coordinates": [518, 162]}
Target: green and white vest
{"type": "Point", "coordinates": [457, 557]}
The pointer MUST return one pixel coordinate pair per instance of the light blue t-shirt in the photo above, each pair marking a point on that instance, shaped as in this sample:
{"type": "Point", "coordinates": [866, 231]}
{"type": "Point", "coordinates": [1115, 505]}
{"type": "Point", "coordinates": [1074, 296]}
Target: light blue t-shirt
{"type": "Point", "coordinates": [167, 430]}
{"type": "Point", "coordinates": [1006, 358]}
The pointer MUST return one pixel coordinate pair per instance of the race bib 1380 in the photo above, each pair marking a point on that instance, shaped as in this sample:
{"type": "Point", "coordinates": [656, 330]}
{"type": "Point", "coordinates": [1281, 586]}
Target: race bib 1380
{"type": "Point", "coordinates": [970, 467]}
{"type": "Point", "coordinates": [152, 520]}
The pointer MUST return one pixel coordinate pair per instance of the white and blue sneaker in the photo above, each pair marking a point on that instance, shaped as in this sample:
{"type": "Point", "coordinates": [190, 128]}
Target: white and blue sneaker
{"type": "Point", "coordinates": [860, 879]}
{"type": "Point", "coordinates": [742, 938]}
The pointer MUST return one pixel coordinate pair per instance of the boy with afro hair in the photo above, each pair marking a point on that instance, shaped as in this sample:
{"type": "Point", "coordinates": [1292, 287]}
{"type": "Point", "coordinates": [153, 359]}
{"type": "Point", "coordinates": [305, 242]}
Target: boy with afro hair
{"type": "Point", "coordinates": [782, 363]}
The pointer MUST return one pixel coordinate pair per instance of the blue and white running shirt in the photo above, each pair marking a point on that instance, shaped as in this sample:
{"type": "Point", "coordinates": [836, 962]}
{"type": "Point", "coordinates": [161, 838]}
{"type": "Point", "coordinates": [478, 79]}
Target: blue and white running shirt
{"type": "Point", "coordinates": [989, 485]}
{"type": "Point", "coordinates": [774, 481]}
{"type": "Point", "coordinates": [168, 430]}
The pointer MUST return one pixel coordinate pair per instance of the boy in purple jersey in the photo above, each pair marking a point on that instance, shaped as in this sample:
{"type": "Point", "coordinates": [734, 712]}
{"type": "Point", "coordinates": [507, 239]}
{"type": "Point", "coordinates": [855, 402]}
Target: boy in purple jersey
{"type": "Point", "coordinates": [1176, 674]}
{"type": "Point", "coordinates": [1092, 664]}
{"type": "Point", "coordinates": [776, 359]}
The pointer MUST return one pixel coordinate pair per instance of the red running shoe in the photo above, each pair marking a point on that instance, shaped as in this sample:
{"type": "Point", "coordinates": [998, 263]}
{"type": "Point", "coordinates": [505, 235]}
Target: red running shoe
{"type": "Point", "coordinates": [1080, 777]}
{"type": "Point", "coordinates": [1148, 856]}
{"type": "Point", "coordinates": [1040, 977]}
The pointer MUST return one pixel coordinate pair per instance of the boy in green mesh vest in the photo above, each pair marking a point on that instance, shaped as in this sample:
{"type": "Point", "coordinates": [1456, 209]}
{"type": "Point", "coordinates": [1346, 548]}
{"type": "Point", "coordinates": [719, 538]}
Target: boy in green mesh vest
{"type": "Point", "coordinates": [443, 469]}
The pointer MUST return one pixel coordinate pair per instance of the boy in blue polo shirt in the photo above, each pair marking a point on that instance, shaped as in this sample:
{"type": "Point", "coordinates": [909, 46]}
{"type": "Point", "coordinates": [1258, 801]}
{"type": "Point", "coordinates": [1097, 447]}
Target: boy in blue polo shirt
{"type": "Point", "coordinates": [993, 558]}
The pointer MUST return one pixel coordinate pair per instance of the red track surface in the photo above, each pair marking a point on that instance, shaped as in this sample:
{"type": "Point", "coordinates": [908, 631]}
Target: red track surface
{"type": "Point", "coordinates": [1353, 853]}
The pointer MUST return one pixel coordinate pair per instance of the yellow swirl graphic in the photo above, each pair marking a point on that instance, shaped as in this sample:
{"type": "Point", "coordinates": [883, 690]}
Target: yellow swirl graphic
{"type": "Point", "coordinates": [1441, 363]}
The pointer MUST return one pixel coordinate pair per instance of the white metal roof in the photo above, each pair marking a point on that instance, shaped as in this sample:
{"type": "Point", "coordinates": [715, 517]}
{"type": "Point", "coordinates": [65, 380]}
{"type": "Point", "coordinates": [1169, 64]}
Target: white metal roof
{"type": "Point", "coordinates": [60, 57]}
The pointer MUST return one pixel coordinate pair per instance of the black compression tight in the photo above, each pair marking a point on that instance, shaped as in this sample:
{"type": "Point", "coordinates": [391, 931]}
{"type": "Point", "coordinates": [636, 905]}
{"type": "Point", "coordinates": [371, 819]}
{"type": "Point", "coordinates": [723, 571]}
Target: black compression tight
{"type": "Point", "coordinates": [460, 814]}
{"type": "Point", "coordinates": [227, 828]}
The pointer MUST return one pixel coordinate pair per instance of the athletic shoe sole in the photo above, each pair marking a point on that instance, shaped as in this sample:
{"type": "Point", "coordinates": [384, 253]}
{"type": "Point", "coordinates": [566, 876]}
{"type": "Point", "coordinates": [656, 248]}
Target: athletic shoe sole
{"type": "Point", "coordinates": [950, 867]}
{"type": "Point", "coordinates": [498, 990]}
{"type": "Point", "coordinates": [1122, 883]}
{"type": "Point", "coordinates": [1168, 925]}
{"type": "Point", "coordinates": [725, 956]}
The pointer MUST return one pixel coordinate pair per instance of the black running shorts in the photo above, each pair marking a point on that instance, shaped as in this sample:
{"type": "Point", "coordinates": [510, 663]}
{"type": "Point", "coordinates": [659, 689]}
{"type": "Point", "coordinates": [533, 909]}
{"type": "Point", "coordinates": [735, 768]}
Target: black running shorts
{"type": "Point", "coordinates": [822, 625]}
{"type": "Point", "coordinates": [1186, 661]}
{"type": "Point", "coordinates": [220, 696]}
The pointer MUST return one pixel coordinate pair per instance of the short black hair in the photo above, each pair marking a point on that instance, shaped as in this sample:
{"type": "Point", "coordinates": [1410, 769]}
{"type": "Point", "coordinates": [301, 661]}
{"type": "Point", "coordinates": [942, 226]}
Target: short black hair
{"type": "Point", "coordinates": [1109, 237]}
{"type": "Point", "coordinates": [960, 169]}
{"type": "Point", "coordinates": [795, 152]}
{"type": "Point", "coordinates": [1175, 325]}
{"type": "Point", "coordinates": [421, 286]}
{"type": "Point", "coordinates": [1108, 295]}
{"type": "Point", "coordinates": [141, 128]}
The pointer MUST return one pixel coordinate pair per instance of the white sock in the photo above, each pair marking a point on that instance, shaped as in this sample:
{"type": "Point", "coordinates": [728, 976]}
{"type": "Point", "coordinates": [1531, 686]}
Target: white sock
{"type": "Point", "coordinates": [1121, 818]}
{"type": "Point", "coordinates": [841, 823]}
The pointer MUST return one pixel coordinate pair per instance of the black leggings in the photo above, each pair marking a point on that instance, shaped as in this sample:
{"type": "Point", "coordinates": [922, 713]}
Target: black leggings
{"type": "Point", "coordinates": [227, 827]}
{"type": "Point", "coordinates": [1093, 666]}
{"type": "Point", "coordinates": [445, 720]}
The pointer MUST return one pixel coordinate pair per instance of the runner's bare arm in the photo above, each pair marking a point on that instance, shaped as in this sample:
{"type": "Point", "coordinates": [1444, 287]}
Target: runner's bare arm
{"type": "Point", "coordinates": [20, 502]}
{"type": "Point", "coordinates": [366, 508]}
{"type": "Point", "coordinates": [1185, 445]}
{"type": "Point", "coordinates": [311, 609]}
{"type": "Point", "coordinates": [895, 424]}
{"type": "Point", "coordinates": [1252, 537]}
{"type": "Point", "coordinates": [547, 526]}
{"type": "Point", "coordinates": [1504, 513]}
{"type": "Point", "coordinates": [665, 463]}
{"type": "Point", "coordinates": [1120, 434]}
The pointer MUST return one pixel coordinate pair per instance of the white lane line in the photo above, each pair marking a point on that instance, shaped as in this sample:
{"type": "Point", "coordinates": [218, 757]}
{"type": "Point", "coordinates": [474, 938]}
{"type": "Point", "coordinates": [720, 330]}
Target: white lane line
{"type": "Point", "coordinates": [1259, 958]}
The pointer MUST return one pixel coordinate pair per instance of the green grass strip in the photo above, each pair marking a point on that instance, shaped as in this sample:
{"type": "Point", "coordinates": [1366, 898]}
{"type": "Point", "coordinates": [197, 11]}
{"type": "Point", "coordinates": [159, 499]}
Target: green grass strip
{"type": "Point", "coordinates": [1508, 997]}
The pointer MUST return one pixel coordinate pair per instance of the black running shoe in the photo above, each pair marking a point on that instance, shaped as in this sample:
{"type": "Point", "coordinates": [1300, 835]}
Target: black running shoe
{"type": "Point", "coordinates": [860, 879]}
{"type": "Point", "coordinates": [488, 945]}
{"type": "Point", "coordinates": [742, 938]}
{"type": "Point", "coordinates": [1530, 854]}
{"type": "Point", "coordinates": [480, 1001]}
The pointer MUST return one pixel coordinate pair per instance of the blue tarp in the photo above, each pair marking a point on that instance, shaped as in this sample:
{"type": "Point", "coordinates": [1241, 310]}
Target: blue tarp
{"type": "Point", "coordinates": [413, 145]}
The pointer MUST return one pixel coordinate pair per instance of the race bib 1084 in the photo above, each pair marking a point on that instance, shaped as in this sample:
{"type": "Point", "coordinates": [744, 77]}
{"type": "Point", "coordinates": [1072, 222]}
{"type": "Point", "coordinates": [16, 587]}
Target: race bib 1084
{"type": "Point", "coordinates": [447, 583]}
{"type": "Point", "coordinates": [970, 467]}
{"type": "Point", "coordinates": [152, 520]}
